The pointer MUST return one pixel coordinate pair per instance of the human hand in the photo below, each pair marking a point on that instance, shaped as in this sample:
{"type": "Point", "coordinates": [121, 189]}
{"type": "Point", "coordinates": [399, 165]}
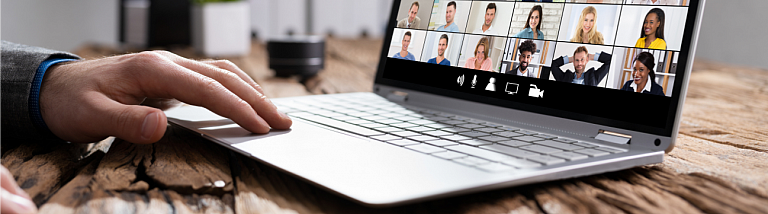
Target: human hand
{"type": "Point", "coordinates": [591, 57]}
{"type": "Point", "coordinates": [87, 101]}
{"type": "Point", "coordinates": [12, 198]}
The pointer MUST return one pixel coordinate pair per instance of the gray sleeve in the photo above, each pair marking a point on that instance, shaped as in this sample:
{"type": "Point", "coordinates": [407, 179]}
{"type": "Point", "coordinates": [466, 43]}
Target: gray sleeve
{"type": "Point", "coordinates": [19, 65]}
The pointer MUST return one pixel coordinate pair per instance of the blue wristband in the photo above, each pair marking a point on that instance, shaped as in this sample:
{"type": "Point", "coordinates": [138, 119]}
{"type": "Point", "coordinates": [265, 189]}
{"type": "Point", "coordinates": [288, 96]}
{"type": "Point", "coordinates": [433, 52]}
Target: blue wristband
{"type": "Point", "coordinates": [34, 94]}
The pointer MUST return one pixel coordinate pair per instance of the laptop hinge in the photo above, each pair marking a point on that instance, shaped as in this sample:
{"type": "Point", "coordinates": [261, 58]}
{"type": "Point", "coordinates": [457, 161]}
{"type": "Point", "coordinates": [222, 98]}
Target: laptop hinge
{"type": "Point", "coordinates": [613, 137]}
{"type": "Point", "coordinates": [397, 96]}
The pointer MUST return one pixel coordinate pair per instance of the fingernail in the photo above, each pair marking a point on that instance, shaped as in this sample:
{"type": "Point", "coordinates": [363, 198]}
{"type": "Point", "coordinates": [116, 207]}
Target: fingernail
{"type": "Point", "coordinates": [150, 126]}
{"type": "Point", "coordinates": [23, 205]}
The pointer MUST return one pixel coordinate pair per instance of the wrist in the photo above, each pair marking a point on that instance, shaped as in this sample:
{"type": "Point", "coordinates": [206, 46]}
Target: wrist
{"type": "Point", "coordinates": [35, 109]}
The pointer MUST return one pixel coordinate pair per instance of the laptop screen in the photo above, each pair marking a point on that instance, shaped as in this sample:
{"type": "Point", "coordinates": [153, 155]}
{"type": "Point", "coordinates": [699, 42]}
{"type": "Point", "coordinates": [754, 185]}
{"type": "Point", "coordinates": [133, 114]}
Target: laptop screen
{"type": "Point", "coordinates": [618, 63]}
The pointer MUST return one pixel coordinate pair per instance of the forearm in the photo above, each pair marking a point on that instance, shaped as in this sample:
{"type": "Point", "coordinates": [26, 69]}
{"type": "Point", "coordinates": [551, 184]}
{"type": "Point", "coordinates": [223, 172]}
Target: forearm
{"type": "Point", "coordinates": [19, 66]}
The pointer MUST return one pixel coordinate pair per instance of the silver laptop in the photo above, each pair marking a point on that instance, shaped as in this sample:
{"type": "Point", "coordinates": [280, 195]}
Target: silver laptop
{"type": "Point", "coordinates": [472, 96]}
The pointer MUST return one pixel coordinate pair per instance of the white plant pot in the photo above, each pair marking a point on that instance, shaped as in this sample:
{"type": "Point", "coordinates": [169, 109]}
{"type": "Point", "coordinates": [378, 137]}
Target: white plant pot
{"type": "Point", "coordinates": [221, 29]}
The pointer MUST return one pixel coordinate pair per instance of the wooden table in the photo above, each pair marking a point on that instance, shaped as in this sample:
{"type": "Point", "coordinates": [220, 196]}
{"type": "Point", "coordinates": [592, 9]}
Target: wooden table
{"type": "Point", "coordinates": [720, 164]}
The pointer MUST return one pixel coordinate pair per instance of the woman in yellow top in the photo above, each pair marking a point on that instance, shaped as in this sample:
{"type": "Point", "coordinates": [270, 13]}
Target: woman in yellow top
{"type": "Point", "coordinates": [652, 35]}
{"type": "Point", "coordinates": [585, 32]}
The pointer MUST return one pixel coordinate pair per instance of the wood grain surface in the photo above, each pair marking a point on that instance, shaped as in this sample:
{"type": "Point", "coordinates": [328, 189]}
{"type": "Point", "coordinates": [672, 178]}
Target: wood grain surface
{"type": "Point", "coordinates": [719, 165]}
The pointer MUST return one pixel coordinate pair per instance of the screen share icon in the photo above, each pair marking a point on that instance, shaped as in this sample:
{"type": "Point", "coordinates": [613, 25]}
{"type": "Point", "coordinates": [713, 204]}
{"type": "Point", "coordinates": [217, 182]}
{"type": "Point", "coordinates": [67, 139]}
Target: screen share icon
{"type": "Point", "coordinates": [511, 88]}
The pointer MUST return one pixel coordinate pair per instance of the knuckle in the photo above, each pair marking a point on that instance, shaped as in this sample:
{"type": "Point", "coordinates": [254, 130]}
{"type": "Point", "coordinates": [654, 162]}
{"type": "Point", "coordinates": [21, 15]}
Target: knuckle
{"type": "Point", "coordinates": [123, 119]}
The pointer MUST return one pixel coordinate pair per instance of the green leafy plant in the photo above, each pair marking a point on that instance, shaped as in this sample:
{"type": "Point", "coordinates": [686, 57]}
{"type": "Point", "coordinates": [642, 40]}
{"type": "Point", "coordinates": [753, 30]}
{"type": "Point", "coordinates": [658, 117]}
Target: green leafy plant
{"type": "Point", "coordinates": [211, 1]}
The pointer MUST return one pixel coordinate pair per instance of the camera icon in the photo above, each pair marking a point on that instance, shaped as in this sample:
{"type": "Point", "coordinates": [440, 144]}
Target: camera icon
{"type": "Point", "coordinates": [535, 92]}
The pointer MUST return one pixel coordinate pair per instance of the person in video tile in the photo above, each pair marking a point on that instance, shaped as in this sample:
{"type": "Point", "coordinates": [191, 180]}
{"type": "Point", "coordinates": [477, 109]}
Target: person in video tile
{"type": "Point", "coordinates": [487, 27]}
{"type": "Point", "coordinates": [643, 76]}
{"type": "Point", "coordinates": [404, 54]}
{"type": "Point", "coordinates": [441, 46]}
{"type": "Point", "coordinates": [480, 61]}
{"type": "Point", "coordinates": [652, 34]}
{"type": "Point", "coordinates": [412, 21]}
{"type": "Point", "coordinates": [586, 30]}
{"type": "Point", "coordinates": [582, 76]}
{"type": "Point", "coordinates": [532, 26]}
{"type": "Point", "coordinates": [526, 50]}
{"type": "Point", "coordinates": [450, 13]}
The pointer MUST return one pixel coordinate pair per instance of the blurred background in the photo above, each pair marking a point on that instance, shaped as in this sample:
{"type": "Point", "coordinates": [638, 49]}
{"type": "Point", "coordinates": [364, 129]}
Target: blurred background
{"type": "Point", "coordinates": [732, 31]}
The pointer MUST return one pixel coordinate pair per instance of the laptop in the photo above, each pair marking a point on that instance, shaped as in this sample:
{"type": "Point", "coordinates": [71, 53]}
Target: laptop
{"type": "Point", "coordinates": [482, 95]}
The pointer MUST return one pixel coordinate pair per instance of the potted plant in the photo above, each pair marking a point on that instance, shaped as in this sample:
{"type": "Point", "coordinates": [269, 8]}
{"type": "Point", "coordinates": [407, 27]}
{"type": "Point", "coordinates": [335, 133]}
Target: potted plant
{"type": "Point", "coordinates": [221, 27]}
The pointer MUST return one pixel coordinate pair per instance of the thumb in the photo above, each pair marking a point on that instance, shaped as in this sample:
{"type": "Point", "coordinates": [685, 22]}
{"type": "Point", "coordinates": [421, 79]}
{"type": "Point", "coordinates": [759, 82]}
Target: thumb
{"type": "Point", "coordinates": [134, 123]}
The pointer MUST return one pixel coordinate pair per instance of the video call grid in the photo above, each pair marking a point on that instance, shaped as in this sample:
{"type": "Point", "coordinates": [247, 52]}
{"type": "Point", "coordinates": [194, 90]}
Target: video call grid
{"type": "Point", "coordinates": [464, 33]}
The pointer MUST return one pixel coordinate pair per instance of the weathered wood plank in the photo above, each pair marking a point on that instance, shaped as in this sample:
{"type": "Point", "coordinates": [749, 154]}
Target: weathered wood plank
{"type": "Point", "coordinates": [41, 168]}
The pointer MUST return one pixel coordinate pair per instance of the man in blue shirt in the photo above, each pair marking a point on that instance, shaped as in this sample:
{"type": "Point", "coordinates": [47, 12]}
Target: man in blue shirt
{"type": "Point", "coordinates": [441, 46]}
{"type": "Point", "coordinates": [404, 54]}
{"type": "Point", "coordinates": [450, 12]}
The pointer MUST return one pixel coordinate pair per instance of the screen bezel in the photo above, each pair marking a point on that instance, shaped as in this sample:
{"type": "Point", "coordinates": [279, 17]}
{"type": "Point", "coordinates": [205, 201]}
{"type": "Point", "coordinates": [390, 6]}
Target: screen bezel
{"type": "Point", "coordinates": [685, 55]}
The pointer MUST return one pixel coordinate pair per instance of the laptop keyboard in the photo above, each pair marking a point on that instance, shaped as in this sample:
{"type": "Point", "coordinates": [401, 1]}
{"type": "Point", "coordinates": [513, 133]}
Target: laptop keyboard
{"type": "Point", "coordinates": [474, 143]}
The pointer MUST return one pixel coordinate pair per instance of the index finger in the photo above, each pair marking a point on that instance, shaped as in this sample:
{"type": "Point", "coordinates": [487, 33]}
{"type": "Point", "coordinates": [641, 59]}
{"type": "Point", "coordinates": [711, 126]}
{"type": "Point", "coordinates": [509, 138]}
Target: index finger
{"type": "Point", "coordinates": [161, 78]}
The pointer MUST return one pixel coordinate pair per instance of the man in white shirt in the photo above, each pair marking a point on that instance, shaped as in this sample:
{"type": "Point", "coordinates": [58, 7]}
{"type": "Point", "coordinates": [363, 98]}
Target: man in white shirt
{"type": "Point", "coordinates": [656, 2]}
{"type": "Point", "coordinates": [487, 27]}
{"type": "Point", "coordinates": [526, 50]}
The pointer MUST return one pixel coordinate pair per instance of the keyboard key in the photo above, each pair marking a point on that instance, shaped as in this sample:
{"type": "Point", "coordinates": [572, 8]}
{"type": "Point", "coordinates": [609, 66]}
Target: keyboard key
{"type": "Point", "coordinates": [388, 129]}
{"type": "Point", "coordinates": [474, 151]}
{"type": "Point", "coordinates": [449, 155]}
{"type": "Point", "coordinates": [526, 132]}
{"type": "Point", "coordinates": [441, 143]}
{"type": "Point", "coordinates": [470, 126]}
{"type": "Point", "coordinates": [359, 114]}
{"type": "Point", "coordinates": [545, 136]}
{"type": "Point", "coordinates": [559, 145]}
{"type": "Point", "coordinates": [570, 156]}
{"type": "Point", "coordinates": [386, 137]}
{"type": "Point", "coordinates": [403, 142]}
{"type": "Point", "coordinates": [373, 125]}
{"type": "Point", "coordinates": [475, 142]}
{"type": "Point", "coordinates": [611, 150]}
{"type": "Point", "coordinates": [453, 122]}
{"type": "Point", "coordinates": [389, 121]}
{"type": "Point", "coordinates": [547, 160]}
{"type": "Point", "coordinates": [438, 133]}
{"type": "Point", "coordinates": [509, 150]}
{"type": "Point", "coordinates": [424, 148]}
{"type": "Point", "coordinates": [407, 118]}
{"type": "Point", "coordinates": [343, 126]}
{"type": "Point", "coordinates": [492, 125]}
{"type": "Point", "coordinates": [541, 149]}
{"type": "Point", "coordinates": [474, 134]}
{"type": "Point", "coordinates": [508, 128]}
{"type": "Point", "coordinates": [345, 118]}
{"type": "Point", "coordinates": [514, 143]}
{"type": "Point", "coordinates": [455, 130]}
{"type": "Point", "coordinates": [455, 137]}
{"type": "Point", "coordinates": [379, 112]}
{"type": "Point", "coordinates": [520, 163]}
{"type": "Point", "coordinates": [374, 118]}
{"type": "Point", "coordinates": [422, 138]}
{"type": "Point", "coordinates": [585, 145]}
{"type": "Point", "coordinates": [565, 140]}
{"type": "Point", "coordinates": [404, 125]}
{"type": "Point", "coordinates": [405, 133]}
{"type": "Point", "coordinates": [489, 130]}
{"type": "Point", "coordinates": [391, 115]}
{"type": "Point", "coordinates": [421, 122]}
{"type": "Point", "coordinates": [437, 118]}
{"type": "Point", "coordinates": [495, 167]}
{"type": "Point", "coordinates": [527, 138]}
{"type": "Point", "coordinates": [437, 125]}
{"type": "Point", "coordinates": [508, 134]}
{"type": "Point", "coordinates": [592, 152]}
{"type": "Point", "coordinates": [419, 129]}
{"type": "Point", "coordinates": [356, 121]}
{"type": "Point", "coordinates": [493, 138]}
